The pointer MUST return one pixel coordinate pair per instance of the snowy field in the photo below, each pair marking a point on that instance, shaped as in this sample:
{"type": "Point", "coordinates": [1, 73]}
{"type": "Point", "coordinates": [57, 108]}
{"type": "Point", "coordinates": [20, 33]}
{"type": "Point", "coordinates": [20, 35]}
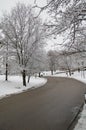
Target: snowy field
{"type": "Point", "coordinates": [14, 85]}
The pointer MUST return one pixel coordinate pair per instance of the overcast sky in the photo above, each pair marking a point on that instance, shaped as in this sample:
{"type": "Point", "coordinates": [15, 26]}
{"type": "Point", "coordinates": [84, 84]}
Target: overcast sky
{"type": "Point", "coordinates": [6, 5]}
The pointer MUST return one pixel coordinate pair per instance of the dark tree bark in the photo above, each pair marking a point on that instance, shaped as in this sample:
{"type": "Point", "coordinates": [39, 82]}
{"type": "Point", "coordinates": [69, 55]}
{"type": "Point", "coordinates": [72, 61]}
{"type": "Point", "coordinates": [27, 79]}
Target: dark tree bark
{"type": "Point", "coordinates": [24, 77]}
{"type": "Point", "coordinates": [51, 72]}
{"type": "Point", "coordinates": [39, 74]}
{"type": "Point", "coordinates": [6, 73]}
{"type": "Point", "coordinates": [69, 72]}
{"type": "Point", "coordinates": [28, 78]}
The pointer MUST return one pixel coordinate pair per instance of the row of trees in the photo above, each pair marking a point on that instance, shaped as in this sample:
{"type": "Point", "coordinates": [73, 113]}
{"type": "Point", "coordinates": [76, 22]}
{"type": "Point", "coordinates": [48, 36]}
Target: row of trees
{"type": "Point", "coordinates": [22, 36]}
{"type": "Point", "coordinates": [68, 18]}
{"type": "Point", "coordinates": [67, 62]}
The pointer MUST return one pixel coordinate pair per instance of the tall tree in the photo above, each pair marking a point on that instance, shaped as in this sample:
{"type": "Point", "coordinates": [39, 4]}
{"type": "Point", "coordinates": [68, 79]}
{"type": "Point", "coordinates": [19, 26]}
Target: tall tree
{"type": "Point", "coordinates": [24, 33]}
{"type": "Point", "coordinates": [52, 60]}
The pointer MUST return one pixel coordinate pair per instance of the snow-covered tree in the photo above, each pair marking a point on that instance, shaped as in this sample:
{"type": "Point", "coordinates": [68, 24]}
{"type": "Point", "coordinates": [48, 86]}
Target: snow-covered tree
{"type": "Point", "coordinates": [24, 34]}
{"type": "Point", "coordinates": [40, 61]}
{"type": "Point", "coordinates": [52, 60]}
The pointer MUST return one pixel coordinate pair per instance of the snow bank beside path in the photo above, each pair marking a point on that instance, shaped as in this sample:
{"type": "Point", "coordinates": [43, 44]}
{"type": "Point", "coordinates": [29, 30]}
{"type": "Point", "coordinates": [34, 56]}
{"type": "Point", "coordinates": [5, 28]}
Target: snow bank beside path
{"type": "Point", "coordinates": [76, 75]}
{"type": "Point", "coordinates": [14, 85]}
{"type": "Point", "coordinates": [81, 125]}
{"type": "Point", "coordinates": [79, 76]}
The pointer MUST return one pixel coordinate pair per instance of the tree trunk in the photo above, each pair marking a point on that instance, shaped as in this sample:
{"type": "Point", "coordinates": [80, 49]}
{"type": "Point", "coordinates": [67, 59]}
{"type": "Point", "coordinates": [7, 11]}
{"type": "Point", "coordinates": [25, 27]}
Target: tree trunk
{"type": "Point", "coordinates": [69, 72]}
{"type": "Point", "coordinates": [6, 73]}
{"type": "Point", "coordinates": [51, 72]}
{"type": "Point", "coordinates": [54, 68]}
{"type": "Point", "coordinates": [28, 78]}
{"type": "Point", "coordinates": [39, 74]}
{"type": "Point", "coordinates": [24, 77]}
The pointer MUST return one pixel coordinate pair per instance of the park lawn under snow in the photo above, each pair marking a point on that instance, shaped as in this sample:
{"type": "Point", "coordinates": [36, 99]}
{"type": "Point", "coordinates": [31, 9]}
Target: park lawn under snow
{"type": "Point", "coordinates": [14, 85]}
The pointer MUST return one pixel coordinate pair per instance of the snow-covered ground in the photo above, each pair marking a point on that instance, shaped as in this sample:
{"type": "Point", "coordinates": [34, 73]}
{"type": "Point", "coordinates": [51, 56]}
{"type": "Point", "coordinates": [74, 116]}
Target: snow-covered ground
{"type": "Point", "coordinates": [81, 125]}
{"type": "Point", "coordinates": [81, 76]}
{"type": "Point", "coordinates": [14, 85]}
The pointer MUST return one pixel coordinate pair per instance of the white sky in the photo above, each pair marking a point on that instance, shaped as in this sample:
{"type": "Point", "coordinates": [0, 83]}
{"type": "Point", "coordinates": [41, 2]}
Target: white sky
{"type": "Point", "coordinates": [6, 5]}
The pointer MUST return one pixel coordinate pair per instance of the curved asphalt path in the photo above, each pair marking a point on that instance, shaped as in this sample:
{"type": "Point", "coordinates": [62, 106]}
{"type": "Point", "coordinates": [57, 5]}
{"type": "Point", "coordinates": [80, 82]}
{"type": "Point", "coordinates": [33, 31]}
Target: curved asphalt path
{"type": "Point", "coordinates": [46, 108]}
